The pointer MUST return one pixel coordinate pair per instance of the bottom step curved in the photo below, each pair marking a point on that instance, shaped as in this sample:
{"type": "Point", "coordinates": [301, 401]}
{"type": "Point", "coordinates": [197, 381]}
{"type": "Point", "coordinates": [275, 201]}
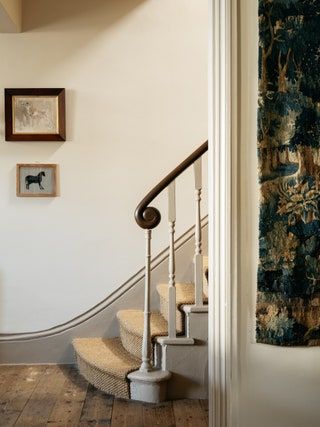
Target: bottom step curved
{"type": "Point", "coordinates": [105, 364]}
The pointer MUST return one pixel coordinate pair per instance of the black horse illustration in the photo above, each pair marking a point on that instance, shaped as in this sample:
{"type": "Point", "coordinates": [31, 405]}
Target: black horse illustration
{"type": "Point", "coordinates": [31, 179]}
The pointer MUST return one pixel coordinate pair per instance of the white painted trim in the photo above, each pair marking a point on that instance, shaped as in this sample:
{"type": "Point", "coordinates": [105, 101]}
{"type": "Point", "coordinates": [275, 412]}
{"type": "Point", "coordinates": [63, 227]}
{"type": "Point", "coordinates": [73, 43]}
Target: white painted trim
{"type": "Point", "coordinates": [223, 75]}
{"type": "Point", "coordinates": [125, 287]}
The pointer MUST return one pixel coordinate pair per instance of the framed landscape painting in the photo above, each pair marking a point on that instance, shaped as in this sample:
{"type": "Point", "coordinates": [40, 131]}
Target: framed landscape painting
{"type": "Point", "coordinates": [36, 180]}
{"type": "Point", "coordinates": [35, 115]}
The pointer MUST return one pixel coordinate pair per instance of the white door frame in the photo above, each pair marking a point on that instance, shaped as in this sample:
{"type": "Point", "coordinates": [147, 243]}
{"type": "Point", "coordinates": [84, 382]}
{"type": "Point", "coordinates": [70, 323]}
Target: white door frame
{"type": "Point", "coordinates": [223, 202]}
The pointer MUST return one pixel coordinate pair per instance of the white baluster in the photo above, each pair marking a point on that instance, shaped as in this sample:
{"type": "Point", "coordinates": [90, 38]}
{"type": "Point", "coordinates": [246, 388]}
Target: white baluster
{"type": "Point", "coordinates": [146, 340]}
{"type": "Point", "coordinates": [198, 259]}
{"type": "Point", "coordinates": [172, 284]}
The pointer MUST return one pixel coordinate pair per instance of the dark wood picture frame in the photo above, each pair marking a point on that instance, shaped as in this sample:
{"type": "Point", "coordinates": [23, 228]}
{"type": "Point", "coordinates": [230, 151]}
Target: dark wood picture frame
{"type": "Point", "coordinates": [60, 132]}
{"type": "Point", "coordinates": [19, 190]}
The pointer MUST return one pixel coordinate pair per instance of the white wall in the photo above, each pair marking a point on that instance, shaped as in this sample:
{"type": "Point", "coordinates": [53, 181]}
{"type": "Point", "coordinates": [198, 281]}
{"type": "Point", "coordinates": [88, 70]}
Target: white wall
{"type": "Point", "coordinates": [279, 387]}
{"type": "Point", "coordinates": [136, 88]}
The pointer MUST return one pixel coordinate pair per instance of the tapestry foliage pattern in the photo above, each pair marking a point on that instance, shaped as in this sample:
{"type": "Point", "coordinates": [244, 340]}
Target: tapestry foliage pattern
{"type": "Point", "coordinates": [288, 302]}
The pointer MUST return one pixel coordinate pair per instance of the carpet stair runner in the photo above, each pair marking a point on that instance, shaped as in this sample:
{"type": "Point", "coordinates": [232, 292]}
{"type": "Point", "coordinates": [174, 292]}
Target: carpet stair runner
{"type": "Point", "coordinates": [105, 363]}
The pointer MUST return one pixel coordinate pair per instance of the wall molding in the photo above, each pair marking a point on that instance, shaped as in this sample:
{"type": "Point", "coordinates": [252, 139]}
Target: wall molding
{"type": "Point", "coordinates": [110, 299]}
{"type": "Point", "coordinates": [223, 241]}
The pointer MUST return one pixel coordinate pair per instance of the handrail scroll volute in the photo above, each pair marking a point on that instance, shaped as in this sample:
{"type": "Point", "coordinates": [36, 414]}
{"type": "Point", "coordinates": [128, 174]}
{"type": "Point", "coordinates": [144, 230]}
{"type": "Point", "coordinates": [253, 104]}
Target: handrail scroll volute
{"type": "Point", "coordinates": [149, 217]}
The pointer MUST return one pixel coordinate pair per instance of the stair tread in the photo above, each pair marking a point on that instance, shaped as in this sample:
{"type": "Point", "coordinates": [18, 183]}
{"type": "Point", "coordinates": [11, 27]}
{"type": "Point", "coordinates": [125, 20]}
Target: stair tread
{"type": "Point", "coordinates": [132, 321]}
{"type": "Point", "coordinates": [184, 293]}
{"type": "Point", "coordinates": [107, 355]}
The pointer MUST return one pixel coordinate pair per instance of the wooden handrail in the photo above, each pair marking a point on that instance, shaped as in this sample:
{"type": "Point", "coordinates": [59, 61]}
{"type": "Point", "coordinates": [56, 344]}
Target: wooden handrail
{"type": "Point", "coordinates": [148, 217]}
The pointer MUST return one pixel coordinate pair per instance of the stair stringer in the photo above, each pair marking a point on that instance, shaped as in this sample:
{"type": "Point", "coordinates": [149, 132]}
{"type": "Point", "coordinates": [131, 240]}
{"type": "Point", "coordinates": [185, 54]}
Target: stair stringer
{"type": "Point", "coordinates": [188, 364]}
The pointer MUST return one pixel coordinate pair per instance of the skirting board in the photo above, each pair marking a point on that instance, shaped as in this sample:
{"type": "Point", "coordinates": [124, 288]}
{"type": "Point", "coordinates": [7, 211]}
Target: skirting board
{"type": "Point", "coordinates": [54, 345]}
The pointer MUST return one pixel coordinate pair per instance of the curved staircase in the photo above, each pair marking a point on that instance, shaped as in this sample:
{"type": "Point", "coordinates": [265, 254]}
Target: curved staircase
{"type": "Point", "coordinates": [160, 354]}
{"type": "Point", "coordinates": [106, 363]}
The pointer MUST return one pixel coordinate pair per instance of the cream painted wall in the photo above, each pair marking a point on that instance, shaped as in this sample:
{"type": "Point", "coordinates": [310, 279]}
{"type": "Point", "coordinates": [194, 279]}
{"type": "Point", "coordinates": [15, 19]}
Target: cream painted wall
{"type": "Point", "coordinates": [136, 91]}
{"type": "Point", "coordinates": [279, 387]}
{"type": "Point", "coordinates": [10, 15]}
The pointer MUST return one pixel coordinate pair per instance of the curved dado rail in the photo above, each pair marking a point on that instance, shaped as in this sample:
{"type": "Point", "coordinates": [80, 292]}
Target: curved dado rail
{"type": "Point", "coordinates": [53, 345]}
{"type": "Point", "coordinates": [148, 218]}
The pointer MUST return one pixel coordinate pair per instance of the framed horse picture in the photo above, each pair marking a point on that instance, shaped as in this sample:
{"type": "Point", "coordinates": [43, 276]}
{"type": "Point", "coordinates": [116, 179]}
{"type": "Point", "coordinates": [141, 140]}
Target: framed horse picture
{"type": "Point", "coordinates": [36, 180]}
{"type": "Point", "coordinates": [35, 115]}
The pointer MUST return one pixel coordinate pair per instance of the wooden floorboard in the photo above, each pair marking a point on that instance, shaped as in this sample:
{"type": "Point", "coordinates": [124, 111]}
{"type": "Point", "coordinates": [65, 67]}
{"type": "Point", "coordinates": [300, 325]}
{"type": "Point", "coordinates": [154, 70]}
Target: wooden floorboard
{"type": "Point", "coordinates": [57, 396]}
{"type": "Point", "coordinates": [8, 375]}
{"type": "Point", "coordinates": [158, 415]}
{"type": "Point", "coordinates": [126, 413]}
{"type": "Point", "coordinates": [97, 408]}
{"type": "Point", "coordinates": [16, 392]}
{"type": "Point", "coordinates": [205, 408]}
{"type": "Point", "coordinates": [37, 411]}
{"type": "Point", "coordinates": [68, 407]}
{"type": "Point", "coordinates": [189, 413]}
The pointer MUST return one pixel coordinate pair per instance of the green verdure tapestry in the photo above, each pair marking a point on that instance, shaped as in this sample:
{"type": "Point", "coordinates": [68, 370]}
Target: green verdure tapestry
{"type": "Point", "coordinates": [288, 302]}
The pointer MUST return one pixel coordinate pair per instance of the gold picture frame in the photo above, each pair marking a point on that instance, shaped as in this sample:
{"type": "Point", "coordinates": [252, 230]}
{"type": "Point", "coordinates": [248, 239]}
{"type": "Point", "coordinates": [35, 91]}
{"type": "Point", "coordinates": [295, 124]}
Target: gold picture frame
{"type": "Point", "coordinates": [36, 180]}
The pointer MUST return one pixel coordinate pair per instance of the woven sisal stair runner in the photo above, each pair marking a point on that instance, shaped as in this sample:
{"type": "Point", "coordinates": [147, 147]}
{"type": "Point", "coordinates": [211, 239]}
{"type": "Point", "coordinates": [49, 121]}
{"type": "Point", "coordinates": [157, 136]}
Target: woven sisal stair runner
{"type": "Point", "coordinates": [105, 364]}
{"type": "Point", "coordinates": [131, 329]}
{"type": "Point", "coordinates": [184, 296]}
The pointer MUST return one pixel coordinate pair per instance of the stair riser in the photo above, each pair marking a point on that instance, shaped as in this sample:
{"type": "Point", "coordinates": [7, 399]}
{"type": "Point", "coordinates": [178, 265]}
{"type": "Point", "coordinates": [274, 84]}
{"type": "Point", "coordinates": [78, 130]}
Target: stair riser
{"type": "Point", "coordinates": [132, 343]}
{"type": "Point", "coordinates": [102, 380]}
{"type": "Point", "coordinates": [197, 326]}
{"type": "Point", "coordinates": [187, 363]}
{"type": "Point", "coordinates": [189, 368]}
{"type": "Point", "coordinates": [165, 314]}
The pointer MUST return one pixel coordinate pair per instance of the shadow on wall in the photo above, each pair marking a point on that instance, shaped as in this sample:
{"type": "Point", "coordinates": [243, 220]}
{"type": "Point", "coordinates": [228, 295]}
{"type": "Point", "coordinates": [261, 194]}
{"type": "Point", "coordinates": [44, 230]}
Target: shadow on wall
{"type": "Point", "coordinates": [39, 15]}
